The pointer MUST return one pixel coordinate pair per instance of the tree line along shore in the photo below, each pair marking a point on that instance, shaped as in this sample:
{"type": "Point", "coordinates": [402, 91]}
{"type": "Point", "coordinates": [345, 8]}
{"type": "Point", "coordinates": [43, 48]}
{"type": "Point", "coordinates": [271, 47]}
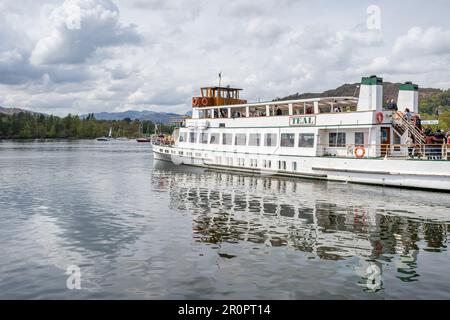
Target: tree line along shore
{"type": "Point", "coordinates": [25, 125]}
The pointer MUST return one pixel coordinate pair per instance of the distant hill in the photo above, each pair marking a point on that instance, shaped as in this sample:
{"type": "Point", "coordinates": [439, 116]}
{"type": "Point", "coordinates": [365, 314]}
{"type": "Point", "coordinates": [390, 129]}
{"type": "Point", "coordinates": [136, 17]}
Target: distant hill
{"type": "Point", "coordinates": [390, 91]}
{"type": "Point", "coordinates": [158, 117]}
{"type": "Point", "coordinates": [11, 111]}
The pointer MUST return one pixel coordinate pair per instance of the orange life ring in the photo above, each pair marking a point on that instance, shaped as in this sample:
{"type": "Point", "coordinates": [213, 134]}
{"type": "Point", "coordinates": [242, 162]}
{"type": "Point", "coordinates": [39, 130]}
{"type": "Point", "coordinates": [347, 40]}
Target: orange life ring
{"type": "Point", "coordinates": [195, 102]}
{"type": "Point", "coordinates": [380, 117]}
{"type": "Point", "coordinates": [360, 152]}
{"type": "Point", "coordinates": [204, 102]}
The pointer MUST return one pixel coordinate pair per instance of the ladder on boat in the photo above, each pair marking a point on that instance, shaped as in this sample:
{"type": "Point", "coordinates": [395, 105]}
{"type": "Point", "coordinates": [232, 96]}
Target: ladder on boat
{"type": "Point", "coordinates": [403, 125]}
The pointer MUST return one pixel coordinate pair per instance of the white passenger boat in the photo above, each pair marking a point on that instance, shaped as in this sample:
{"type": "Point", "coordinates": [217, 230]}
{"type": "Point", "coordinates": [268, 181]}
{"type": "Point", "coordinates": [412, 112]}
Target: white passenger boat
{"type": "Point", "coordinates": [345, 139]}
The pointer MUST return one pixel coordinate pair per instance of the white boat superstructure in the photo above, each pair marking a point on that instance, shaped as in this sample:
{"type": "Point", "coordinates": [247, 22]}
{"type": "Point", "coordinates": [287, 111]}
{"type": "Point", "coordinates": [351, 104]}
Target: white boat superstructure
{"type": "Point", "coordinates": [335, 138]}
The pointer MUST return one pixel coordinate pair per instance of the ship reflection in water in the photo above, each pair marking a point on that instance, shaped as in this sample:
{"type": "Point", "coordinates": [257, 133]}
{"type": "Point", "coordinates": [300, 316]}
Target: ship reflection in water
{"type": "Point", "coordinates": [387, 227]}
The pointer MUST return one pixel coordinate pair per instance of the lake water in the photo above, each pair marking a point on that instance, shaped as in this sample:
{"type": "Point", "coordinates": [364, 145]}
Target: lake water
{"type": "Point", "coordinates": [140, 229]}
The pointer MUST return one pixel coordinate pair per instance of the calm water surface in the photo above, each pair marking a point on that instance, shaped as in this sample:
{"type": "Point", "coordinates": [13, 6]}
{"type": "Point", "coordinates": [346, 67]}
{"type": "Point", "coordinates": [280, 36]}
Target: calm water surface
{"type": "Point", "coordinates": [140, 229]}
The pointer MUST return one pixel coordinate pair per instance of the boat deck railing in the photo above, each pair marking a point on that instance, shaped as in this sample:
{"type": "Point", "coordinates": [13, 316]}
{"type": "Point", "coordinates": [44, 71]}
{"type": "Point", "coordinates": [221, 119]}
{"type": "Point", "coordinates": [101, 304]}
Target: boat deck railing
{"type": "Point", "coordinates": [391, 151]}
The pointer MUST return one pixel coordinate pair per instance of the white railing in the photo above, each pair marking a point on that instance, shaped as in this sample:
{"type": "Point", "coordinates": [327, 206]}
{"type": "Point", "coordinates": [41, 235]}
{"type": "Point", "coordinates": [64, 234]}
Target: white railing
{"type": "Point", "coordinates": [392, 151]}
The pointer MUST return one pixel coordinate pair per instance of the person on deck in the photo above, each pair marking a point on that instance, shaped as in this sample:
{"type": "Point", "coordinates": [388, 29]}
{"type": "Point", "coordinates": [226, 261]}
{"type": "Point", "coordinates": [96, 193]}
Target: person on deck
{"type": "Point", "coordinates": [410, 144]}
{"type": "Point", "coordinates": [429, 140]}
{"type": "Point", "coordinates": [439, 140]}
{"type": "Point", "coordinates": [388, 104]}
{"type": "Point", "coordinates": [408, 115]}
{"type": "Point", "coordinates": [418, 122]}
{"type": "Point", "coordinates": [279, 112]}
{"type": "Point", "coordinates": [393, 105]}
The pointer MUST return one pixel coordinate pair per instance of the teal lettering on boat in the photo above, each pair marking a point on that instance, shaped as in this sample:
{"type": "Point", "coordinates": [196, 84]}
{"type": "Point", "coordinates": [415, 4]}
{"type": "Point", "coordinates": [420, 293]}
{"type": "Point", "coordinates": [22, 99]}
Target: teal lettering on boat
{"type": "Point", "coordinates": [302, 121]}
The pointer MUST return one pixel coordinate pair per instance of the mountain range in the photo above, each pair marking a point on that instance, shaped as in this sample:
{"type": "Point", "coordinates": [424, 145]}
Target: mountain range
{"type": "Point", "coordinates": [11, 111]}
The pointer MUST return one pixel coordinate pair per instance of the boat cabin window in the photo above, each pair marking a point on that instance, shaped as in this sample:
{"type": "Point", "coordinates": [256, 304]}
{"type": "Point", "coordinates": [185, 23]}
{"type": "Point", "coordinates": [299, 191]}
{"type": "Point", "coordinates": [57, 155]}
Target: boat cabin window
{"type": "Point", "coordinates": [240, 139]}
{"type": "Point", "coordinates": [306, 140]}
{"type": "Point", "coordinates": [325, 108]}
{"type": "Point", "coordinates": [215, 138]}
{"type": "Point", "coordinates": [183, 136]}
{"type": "Point", "coordinates": [204, 138]}
{"type": "Point", "coordinates": [192, 137]}
{"type": "Point", "coordinates": [337, 139]}
{"type": "Point", "coordinates": [300, 108]}
{"type": "Point", "coordinates": [287, 140]}
{"type": "Point", "coordinates": [227, 138]}
{"type": "Point", "coordinates": [257, 111]}
{"type": "Point", "coordinates": [238, 113]}
{"type": "Point", "coordinates": [359, 138]}
{"type": "Point", "coordinates": [270, 140]}
{"type": "Point", "coordinates": [254, 140]}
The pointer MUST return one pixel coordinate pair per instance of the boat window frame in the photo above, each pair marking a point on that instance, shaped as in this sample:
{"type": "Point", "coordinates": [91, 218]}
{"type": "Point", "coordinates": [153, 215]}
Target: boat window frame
{"type": "Point", "coordinates": [363, 138]}
{"type": "Point", "coordinates": [291, 144]}
{"type": "Point", "coordinates": [182, 137]}
{"type": "Point", "coordinates": [258, 140]}
{"type": "Point", "coordinates": [224, 140]}
{"type": "Point", "coordinates": [337, 144]}
{"type": "Point", "coordinates": [193, 136]}
{"type": "Point", "coordinates": [236, 139]}
{"type": "Point", "coordinates": [308, 146]}
{"type": "Point", "coordinates": [271, 140]}
{"type": "Point", "coordinates": [202, 135]}
{"type": "Point", "coordinates": [216, 136]}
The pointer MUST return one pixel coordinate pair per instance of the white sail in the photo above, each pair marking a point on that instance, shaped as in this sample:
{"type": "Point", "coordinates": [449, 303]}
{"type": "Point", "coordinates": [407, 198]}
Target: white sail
{"type": "Point", "coordinates": [110, 133]}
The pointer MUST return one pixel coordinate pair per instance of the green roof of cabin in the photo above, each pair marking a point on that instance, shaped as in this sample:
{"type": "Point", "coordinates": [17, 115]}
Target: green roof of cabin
{"type": "Point", "coordinates": [372, 80]}
{"type": "Point", "coordinates": [409, 86]}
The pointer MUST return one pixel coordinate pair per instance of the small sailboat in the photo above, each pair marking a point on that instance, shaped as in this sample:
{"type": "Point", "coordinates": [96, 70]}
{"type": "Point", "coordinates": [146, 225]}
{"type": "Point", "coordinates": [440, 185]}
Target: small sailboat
{"type": "Point", "coordinates": [108, 138]}
{"type": "Point", "coordinates": [143, 139]}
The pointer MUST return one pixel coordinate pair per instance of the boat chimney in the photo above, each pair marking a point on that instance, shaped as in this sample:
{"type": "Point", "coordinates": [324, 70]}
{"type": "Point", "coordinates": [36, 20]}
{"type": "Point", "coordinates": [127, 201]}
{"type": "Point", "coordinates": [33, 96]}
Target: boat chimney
{"type": "Point", "coordinates": [371, 94]}
{"type": "Point", "coordinates": [408, 97]}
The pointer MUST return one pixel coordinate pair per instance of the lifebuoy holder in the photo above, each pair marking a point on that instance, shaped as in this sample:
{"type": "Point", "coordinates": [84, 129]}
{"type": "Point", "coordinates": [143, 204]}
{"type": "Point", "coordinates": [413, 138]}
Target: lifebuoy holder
{"type": "Point", "coordinates": [360, 152]}
{"type": "Point", "coordinates": [205, 102]}
{"type": "Point", "coordinates": [195, 102]}
{"type": "Point", "coordinates": [380, 117]}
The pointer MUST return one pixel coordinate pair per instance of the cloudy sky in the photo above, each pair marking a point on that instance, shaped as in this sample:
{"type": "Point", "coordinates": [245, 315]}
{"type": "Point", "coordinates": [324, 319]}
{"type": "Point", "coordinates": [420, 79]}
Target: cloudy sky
{"type": "Point", "coordinates": [80, 56]}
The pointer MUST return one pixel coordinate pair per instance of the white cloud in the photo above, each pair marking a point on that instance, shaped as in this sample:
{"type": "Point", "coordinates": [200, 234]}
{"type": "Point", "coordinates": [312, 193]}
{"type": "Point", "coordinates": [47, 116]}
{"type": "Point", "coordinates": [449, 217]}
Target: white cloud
{"type": "Point", "coordinates": [420, 54]}
{"type": "Point", "coordinates": [431, 41]}
{"type": "Point", "coordinates": [79, 28]}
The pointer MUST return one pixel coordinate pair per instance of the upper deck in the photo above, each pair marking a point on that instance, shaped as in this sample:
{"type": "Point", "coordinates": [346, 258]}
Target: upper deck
{"type": "Point", "coordinates": [219, 103]}
{"type": "Point", "coordinates": [217, 96]}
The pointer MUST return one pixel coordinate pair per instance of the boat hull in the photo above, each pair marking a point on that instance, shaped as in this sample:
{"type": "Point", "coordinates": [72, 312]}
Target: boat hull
{"type": "Point", "coordinates": [418, 174]}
